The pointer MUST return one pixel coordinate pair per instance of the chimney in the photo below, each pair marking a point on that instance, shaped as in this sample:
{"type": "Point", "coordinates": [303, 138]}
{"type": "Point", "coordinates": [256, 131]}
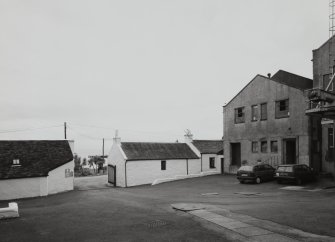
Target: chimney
{"type": "Point", "coordinates": [116, 139]}
{"type": "Point", "coordinates": [188, 136]}
{"type": "Point", "coordinates": [269, 75]}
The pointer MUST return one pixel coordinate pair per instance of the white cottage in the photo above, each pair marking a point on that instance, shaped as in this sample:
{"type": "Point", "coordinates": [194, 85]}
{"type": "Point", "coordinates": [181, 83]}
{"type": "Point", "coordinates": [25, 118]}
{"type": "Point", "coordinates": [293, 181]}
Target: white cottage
{"type": "Point", "coordinates": [35, 168]}
{"type": "Point", "coordinates": [139, 163]}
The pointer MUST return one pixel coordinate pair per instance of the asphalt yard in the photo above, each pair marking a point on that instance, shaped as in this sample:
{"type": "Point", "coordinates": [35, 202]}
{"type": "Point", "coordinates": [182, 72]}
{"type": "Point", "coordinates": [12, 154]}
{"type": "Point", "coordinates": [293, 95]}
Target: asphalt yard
{"type": "Point", "coordinates": [96, 212]}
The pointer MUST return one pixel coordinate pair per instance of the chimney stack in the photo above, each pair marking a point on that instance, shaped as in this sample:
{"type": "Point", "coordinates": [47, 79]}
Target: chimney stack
{"type": "Point", "coordinates": [269, 75]}
{"type": "Point", "coordinates": [116, 139]}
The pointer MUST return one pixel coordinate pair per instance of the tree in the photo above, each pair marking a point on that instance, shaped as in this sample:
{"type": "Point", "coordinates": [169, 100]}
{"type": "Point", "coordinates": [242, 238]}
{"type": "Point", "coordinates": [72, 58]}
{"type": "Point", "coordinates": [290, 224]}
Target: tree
{"type": "Point", "coordinates": [77, 163]}
{"type": "Point", "coordinates": [98, 161]}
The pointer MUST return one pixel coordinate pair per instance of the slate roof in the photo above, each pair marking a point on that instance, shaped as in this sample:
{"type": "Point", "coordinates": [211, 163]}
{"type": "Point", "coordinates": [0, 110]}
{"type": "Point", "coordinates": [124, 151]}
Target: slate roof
{"type": "Point", "coordinates": [157, 151]}
{"type": "Point", "coordinates": [37, 157]}
{"type": "Point", "coordinates": [292, 80]}
{"type": "Point", "coordinates": [209, 146]}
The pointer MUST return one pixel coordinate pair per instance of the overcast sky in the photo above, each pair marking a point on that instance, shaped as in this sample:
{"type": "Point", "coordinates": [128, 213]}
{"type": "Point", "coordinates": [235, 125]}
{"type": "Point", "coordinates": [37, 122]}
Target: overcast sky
{"type": "Point", "coordinates": [150, 69]}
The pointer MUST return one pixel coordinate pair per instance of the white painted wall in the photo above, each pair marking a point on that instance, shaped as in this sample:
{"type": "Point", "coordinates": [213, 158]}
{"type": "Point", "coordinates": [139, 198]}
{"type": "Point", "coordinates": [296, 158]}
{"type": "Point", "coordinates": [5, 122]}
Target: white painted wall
{"type": "Point", "coordinates": [57, 182]}
{"type": "Point", "coordinates": [194, 166]}
{"type": "Point", "coordinates": [205, 162]}
{"type": "Point", "coordinates": [23, 188]}
{"type": "Point", "coordinates": [147, 171]}
{"type": "Point", "coordinates": [117, 158]}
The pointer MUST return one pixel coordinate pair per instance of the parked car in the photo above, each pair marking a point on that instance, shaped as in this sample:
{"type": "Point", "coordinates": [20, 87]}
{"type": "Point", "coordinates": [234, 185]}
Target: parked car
{"type": "Point", "coordinates": [256, 173]}
{"type": "Point", "coordinates": [295, 173]}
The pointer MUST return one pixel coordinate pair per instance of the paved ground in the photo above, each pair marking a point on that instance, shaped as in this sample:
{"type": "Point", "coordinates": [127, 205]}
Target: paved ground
{"type": "Point", "coordinates": [90, 182]}
{"type": "Point", "coordinates": [144, 213]}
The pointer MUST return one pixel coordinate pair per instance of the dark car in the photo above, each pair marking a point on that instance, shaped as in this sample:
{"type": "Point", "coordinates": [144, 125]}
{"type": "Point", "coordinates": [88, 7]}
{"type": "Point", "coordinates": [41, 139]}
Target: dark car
{"type": "Point", "coordinates": [295, 173]}
{"type": "Point", "coordinates": [256, 173]}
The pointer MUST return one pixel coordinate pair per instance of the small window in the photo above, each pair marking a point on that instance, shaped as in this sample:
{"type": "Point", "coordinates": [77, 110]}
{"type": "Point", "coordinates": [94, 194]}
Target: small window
{"type": "Point", "coordinates": [274, 146]}
{"type": "Point", "coordinates": [211, 162]}
{"type": "Point", "coordinates": [163, 165]}
{"type": "Point", "coordinates": [239, 115]}
{"type": "Point", "coordinates": [254, 112]}
{"type": "Point", "coordinates": [282, 109]}
{"type": "Point", "coordinates": [254, 147]}
{"type": "Point", "coordinates": [264, 146]}
{"type": "Point", "coordinates": [16, 162]}
{"type": "Point", "coordinates": [264, 111]}
{"type": "Point", "coordinates": [330, 138]}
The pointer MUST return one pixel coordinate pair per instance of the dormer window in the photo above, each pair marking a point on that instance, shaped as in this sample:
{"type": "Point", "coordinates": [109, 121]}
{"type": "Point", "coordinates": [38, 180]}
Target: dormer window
{"type": "Point", "coordinates": [16, 162]}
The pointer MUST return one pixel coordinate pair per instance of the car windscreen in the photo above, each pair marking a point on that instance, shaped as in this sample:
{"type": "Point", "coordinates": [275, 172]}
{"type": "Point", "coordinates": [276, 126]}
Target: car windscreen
{"type": "Point", "coordinates": [246, 168]}
{"type": "Point", "coordinates": [285, 168]}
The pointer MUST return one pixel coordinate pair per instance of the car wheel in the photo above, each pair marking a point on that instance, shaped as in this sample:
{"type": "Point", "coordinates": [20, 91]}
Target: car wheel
{"type": "Point", "coordinates": [258, 180]}
{"type": "Point", "coordinates": [299, 181]}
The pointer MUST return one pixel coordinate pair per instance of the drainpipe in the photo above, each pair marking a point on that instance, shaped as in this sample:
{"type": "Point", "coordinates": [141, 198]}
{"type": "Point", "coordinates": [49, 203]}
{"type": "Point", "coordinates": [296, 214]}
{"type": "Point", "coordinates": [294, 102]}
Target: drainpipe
{"type": "Point", "coordinates": [125, 173]}
{"type": "Point", "coordinates": [187, 166]}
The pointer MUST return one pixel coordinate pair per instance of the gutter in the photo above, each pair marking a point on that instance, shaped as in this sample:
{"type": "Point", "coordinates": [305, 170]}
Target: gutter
{"type": "Point", "coordinates": [187, 166]}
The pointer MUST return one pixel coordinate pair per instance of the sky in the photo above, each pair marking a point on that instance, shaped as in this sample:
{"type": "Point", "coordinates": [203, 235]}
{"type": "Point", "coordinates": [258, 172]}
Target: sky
{"type": "Point", "coordinates": [150, 69]}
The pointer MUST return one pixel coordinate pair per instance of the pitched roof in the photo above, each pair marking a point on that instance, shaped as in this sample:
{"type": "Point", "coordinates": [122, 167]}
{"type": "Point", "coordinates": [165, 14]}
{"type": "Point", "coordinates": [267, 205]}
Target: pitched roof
{"type": "Point", "coordinates": [292, 80]}
{"type": "Point", "coordinates": [208, 146]}
{"type": "Point", "coordinates": [157, 151]}
{"type": "Point", "coordinates": [37, 157]}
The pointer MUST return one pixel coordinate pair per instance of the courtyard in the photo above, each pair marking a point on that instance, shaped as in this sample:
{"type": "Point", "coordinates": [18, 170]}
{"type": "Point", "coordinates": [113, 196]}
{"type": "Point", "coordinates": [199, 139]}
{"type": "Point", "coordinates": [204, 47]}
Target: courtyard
{"type": "Point", "coordinates": [96, 212]}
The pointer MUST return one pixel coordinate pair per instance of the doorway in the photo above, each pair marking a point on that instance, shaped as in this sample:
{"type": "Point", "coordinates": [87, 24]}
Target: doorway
{"type": "Point", "coordinates": [222, 165]}
{"type": "Point", "coordinates": [235, 154]}
{"type": "Point", "coordinates": [290, 151]}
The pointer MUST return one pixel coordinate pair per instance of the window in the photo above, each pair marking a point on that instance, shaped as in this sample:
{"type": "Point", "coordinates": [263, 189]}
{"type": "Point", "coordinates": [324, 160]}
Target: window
{"type": "Point", "coordinates": [163, 165]}
{"type": "Point", "coordinates": [264, 146]}
{"type": "Point", "coordinates": [239, 115]}
{"type": "Point", "coordinates": [325, 80]}
{"type": "Point", "coordinates": [264, 111]}
{"type": "Point", "coordinates": [16, 162]}
{"type": "Point", "coordinates": [274, 146]}
{"type": "Point", "coordinates": [282, 109]}
{"type": "Point", "coordinates": [254, 112]}
{"type": "Point", "coordinates": [211, 162]}
{"type": "Point", "coordinates": [330, 138]}
{"type": "Point", "coordinates": [254, 147]}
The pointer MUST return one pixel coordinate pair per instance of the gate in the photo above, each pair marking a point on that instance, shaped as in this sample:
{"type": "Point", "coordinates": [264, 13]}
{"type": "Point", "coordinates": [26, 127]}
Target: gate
{"type": "Point", "coordinates": [112, 174]}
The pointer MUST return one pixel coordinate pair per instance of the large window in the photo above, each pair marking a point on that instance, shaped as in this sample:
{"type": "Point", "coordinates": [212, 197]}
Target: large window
{"type": "Point", "coordinates": [274, 146]}
{"type": "Point", "coordinates": [330, 138]}
{"type": "Point", "coordinates": [282, 109]}
{"type": "Point", "coordinates": [211, 162]}
{"type": "Point", "coordinates": [254, 147]}
{"type": "Point", "coordinates": [163, 165]}
{"type": "Point", "coordinates": [264, 146]}
{"type": "Point", "coordinates": [239, 115]}
{"type": "Point", "coordinates": [264, 111]}
{"type": "Point", "coordinates": [254, 112]}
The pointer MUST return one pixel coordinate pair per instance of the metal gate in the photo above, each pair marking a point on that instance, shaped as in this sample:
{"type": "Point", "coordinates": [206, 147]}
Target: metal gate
{"type": "Point", "coordinates": [112, 174]}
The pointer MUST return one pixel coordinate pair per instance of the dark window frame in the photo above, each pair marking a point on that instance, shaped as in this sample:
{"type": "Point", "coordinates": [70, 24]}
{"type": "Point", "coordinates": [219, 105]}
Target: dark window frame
{"type": "Point", "coordinates": [266, 148]}
{"type": "Point", "coordinates": [239, 115]}
{"type": "Point", "coordinates": [163, 165]}
{"type": "Point", "coordinates": [253, 150]}
{"type": "Point", "coordinates": [282, 108]}
{"type": "Point", "coordinates": [254, 113]}
{"type": "Point", "coordinates": [272, 148]}
{"type": "Point", "coordinates": [212, 162]}
{"type": "Point", "coordinates": [264, 112]}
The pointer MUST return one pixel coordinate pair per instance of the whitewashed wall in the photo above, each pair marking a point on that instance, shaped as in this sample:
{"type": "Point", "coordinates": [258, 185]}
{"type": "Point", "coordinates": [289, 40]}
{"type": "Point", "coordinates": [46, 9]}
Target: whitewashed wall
{"type": "Point", "coordinates": [194, 166]}
{"type": "Point", "coordinates": [23, 188]}
{"type": "Point", "coordinates": [57, 182]}
{"type": "Point", "coordinates": [205, 162]}
{"type": "Point", "coordinates": [146, 171]}
{"type": "Point", "coordinates": [116, 157]}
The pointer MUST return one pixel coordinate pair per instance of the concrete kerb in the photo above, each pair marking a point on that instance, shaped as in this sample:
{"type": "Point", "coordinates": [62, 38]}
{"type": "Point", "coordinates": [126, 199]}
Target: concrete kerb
{"type": "Point", "coordinates": [252, 229]}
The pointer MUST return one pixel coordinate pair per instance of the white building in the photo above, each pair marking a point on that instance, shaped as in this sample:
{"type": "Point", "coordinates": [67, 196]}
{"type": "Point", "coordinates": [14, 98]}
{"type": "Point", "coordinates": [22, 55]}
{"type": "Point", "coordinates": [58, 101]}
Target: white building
{"type": "Point", "coordinates": [139, 163]}
{"type": "Point", "coordinates": [35, 168]}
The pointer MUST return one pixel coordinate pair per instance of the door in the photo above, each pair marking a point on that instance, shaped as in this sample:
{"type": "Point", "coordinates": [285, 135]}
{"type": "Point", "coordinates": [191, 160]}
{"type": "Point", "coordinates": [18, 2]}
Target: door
{"type": "Point", "coordinates": [290, 153]}
{"type": "Point", "coordinates": [222, 165]}
{"type": "Point", "coordinates": [112, 174]}
{"type": "Point", "coordinates": [236, 154]}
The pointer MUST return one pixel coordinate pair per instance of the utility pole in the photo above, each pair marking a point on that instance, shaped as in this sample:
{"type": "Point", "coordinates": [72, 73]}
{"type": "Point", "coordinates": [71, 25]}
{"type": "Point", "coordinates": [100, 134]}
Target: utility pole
{"type": "Point", "coordinates": [65, 130]}
{"type": "Point", "coordinates": [103, 147]}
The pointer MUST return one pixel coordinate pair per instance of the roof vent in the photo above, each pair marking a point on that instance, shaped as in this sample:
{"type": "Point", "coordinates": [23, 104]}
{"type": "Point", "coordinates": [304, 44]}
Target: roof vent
{"type": "Point", "coordinates": [269, 75]}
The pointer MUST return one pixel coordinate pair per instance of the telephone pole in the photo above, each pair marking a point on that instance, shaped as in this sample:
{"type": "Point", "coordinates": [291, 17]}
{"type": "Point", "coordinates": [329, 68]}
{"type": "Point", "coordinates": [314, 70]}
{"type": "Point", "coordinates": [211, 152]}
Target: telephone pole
{"type": "Point", "coordinates": [103, 147]}
{"type": "Point", "coordinates": [65, 130]}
